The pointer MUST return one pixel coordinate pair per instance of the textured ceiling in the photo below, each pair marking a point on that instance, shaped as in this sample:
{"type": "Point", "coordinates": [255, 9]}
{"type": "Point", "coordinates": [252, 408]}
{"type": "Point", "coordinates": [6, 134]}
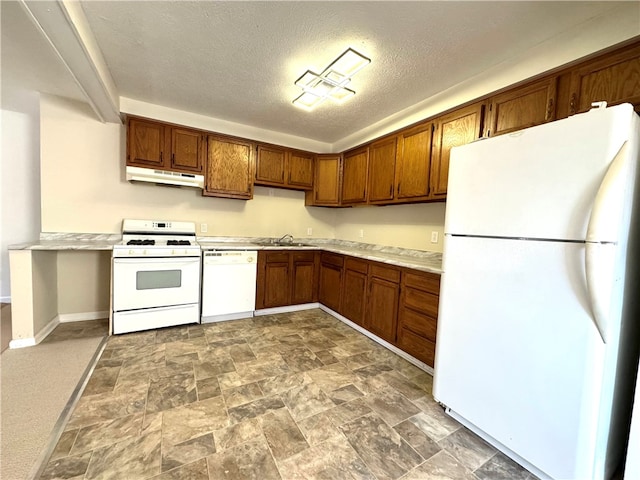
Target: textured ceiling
{"type": "Point", "coordinates": [237, 61]}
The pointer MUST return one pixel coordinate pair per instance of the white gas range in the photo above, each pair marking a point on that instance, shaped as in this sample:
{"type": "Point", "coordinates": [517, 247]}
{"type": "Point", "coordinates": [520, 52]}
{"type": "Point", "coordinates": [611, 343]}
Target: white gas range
{"type": "Point", "coordinates": [156, 276]}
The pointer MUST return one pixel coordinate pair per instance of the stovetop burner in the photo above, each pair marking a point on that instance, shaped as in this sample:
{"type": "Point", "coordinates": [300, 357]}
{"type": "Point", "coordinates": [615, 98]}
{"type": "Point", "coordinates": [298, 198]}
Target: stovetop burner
{"type": "Point", "coordinates": [141, 242]}
{"type": "Point", "coordinates": [178, 242]}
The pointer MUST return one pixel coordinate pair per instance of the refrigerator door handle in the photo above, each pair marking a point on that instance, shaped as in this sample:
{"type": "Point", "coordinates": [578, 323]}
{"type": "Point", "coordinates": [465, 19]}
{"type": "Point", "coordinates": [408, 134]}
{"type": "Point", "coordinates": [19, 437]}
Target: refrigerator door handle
{"type": "Point", "coordinates": [605, 218]}
{"type": "Point", "coordinates": [599, 263]}
{"type": "Point", "coordinates": [602, 231]}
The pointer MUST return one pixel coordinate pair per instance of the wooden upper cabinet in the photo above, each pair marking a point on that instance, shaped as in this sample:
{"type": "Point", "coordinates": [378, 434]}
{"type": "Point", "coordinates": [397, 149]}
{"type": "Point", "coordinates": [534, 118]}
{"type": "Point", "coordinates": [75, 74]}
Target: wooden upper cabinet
{"type": "Point", "coordinates": [326, 182]}
{"type": "Point", "coordinates": [230, 168]}
{"type": "Point", "coordinates": [164, 146]}
{"type": "Point", "coordinates": [270, 165]}
{"type": "Point", "coordinates": [146, 143]}
{"type": "Point", "coordinates": [382, 167]}
{"type": "Point", "coordinates": [614, 79]}
{"type": "Point", "coordinates": [187, 150]}
{"type": "Point", "coordinates": [355, 166]}
{"type": "Point", "coordinates": [281, 167]}
{"type": "Point", "coordinates": [454, 129]}
{"type": "Point", "coordinates": [300, 170]}
{"type": "Point", "coordinates": [523, 107]}
{"type": "Point", "coordinates": [413, 163]}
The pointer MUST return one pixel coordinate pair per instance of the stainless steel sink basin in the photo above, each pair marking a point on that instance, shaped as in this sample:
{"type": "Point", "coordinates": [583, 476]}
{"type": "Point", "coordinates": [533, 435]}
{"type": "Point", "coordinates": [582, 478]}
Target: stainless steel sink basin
{"type": "Point", "coordinates": [282, 244]}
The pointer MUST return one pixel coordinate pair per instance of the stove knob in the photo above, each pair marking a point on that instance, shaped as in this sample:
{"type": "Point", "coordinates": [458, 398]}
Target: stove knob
{"type": "Point", "coordinates": [130, 252]}
{"type": "Point", "coordinates": [173, 252]}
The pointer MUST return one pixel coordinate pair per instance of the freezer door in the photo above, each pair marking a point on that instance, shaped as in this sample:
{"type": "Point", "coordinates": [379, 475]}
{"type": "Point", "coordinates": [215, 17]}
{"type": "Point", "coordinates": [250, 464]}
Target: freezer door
{"type": "Point", "coordinates": [517, 352]}
{"type": "Point", "coordinates": [541, 182]}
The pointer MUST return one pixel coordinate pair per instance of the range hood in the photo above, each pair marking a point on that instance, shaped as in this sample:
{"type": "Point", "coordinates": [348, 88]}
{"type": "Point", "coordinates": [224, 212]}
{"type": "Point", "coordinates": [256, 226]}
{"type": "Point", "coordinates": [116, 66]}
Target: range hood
{"type": "Point", "coordinates": [164, 177]}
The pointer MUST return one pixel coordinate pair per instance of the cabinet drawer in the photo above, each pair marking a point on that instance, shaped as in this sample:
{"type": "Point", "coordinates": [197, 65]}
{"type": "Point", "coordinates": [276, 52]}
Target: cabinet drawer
{"type": "Point", "coordinates": [386, 273]}
{"type": "Point", "coordinates": [424, 302]}
{"type": "Point", "coordinates": [355, 264]}
{"type": "Point", "coordinates": [419, 347]}
{"type": "Point", "coordinates": [273, 257]}
{"type": "Point", "coordinates": [429, 282]}
{"type": "Point", "coordinates": [418, 323]}
{"type": "Point", "coordinates": [332, 259]}
{"type": "Point", "coordinates": [304, 256]}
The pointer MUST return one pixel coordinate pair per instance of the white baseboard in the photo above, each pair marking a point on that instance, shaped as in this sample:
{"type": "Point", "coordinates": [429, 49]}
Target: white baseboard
{"type": "Point", "coordinates": [41, 335]}
{"type": "Point", "coordinates": [5, 299]}
{"type": "Point", "coordinates": [228, 316]}
{"type": "Point", "coordinates": [22, 342]}
{"type": "Point", "coordinates": [291, 308]}
{"type": "Point", "coordinates": [82, 316]}
{"type": "Point", "coordinates": [375, 338]}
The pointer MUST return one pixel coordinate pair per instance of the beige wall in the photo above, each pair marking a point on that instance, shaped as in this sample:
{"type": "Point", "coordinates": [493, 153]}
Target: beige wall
{"type": "Point", "coordinates": [19, 179]}
{"type": "Point", "coordinates": [407, 226]}
{"type": "Point", "coordinates": [83, 281]}
{"type": "Point", "coordinates": [84, 187]}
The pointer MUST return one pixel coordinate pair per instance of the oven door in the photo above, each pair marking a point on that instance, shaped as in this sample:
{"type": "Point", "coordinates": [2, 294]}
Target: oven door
{"type": "Point", "coordinates": [155, 282]}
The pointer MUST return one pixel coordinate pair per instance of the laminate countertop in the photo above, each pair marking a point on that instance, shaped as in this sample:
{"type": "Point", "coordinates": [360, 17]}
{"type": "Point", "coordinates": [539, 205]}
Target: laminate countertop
{"type": "Point", "coordinates": [402, 257]}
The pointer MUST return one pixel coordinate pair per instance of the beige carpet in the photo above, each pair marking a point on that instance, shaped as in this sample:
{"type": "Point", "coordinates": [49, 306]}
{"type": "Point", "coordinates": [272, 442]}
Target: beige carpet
{"type": "Point", "coordinates": [37, 383]}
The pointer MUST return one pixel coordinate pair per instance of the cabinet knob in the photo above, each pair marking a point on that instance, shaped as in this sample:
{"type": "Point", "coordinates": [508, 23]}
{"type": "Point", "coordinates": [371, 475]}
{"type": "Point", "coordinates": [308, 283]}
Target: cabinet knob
{"type": "Point", "coordinates": [573, 103]}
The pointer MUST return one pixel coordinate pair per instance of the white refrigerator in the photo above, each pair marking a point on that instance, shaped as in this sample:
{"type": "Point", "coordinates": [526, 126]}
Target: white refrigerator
{"type": "Point", "coordinates": [538, 332]}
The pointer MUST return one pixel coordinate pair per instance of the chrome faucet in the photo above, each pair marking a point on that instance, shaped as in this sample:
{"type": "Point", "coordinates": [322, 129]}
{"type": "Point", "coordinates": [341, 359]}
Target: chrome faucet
{"type": "Point", "coordinates": [286, 238]}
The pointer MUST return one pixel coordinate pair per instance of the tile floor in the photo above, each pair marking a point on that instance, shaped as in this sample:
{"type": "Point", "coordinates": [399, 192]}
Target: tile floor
{"type": "Point", "coordinates": [290, 396]}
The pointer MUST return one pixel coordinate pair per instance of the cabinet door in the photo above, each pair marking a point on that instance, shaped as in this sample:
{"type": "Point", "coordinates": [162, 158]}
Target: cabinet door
{"type": "Point", "coordinates": [303, 281]}
{"type": "Point", "coordinates": [270, 165]}
{"type": "Point", "coordinates": [456, 128]}
{"type": "Point", "coordinates": [382, 167]}
{"type": "Point", "coordinates": [354, 290]}
{"type": "Point", "coordinates": [523, 107]}
{"type": "Point", "coordinates": [413, 164]}
{"type": "Point", "coordinates": [300, 170]}
{"type": "Point", "coordinates": [329, 286]}
{"type": "Point", "coordinates": [146, 143]}
{"type": "Point", "coordinates": [614, 79]}
{"type": "Point", "coordinates": [326, 183]}
{"type": "Point", "coordinates": [187, 150]}
{"type": "Point", "coordinates": [382, 308]}
{"type": "Point", "coordinates": [229, 168]}
{"type": "Point", "coordinates": [355, 165]}
{"type": "Point", "coordinates": [277, 279]}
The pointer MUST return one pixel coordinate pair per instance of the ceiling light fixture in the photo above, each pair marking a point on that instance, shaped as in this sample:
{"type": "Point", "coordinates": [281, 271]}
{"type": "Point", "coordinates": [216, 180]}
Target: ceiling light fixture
{"type": "Point", "coordinates": [332, 82]}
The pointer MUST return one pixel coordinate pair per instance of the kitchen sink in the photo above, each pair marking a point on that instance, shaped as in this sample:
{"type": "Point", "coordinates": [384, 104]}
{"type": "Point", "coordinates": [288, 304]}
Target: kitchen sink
{"type": "Point", "coordinates": [282, 244]}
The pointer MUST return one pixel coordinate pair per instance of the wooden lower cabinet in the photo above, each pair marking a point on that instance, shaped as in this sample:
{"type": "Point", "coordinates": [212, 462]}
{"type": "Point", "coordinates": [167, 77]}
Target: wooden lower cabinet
{"type": "Point", "coordinates": [286, 277]}
{"type": "Point", "coordinates": [273, 279]}
{"type": "Point", "coordinates": [304, 278]}
{"type": "Point", "coordinates": [382, 301]}
{"type": "Point", "coordinates": [399, 305]}
{"type": "Point", "coordinates": [354, 290]}
{"type": "Point", "coordinates": [330, 281]}
{"type": "Point", "coordinates": [418, 314]}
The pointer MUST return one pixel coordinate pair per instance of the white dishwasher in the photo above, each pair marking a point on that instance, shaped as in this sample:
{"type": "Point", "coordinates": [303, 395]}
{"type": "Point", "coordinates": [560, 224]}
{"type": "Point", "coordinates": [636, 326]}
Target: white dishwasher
{"type": "Point", "coordinates": [228, 284]}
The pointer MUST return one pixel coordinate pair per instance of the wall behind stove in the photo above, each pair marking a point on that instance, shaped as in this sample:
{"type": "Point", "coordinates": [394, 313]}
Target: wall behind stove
{"type": "Point", "coordinates": [84, 188]}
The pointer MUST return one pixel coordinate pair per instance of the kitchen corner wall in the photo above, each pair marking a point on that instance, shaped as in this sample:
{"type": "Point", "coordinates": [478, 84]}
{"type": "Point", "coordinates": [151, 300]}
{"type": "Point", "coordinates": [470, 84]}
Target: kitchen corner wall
{"type": "Point", "coordinates": [407, 226]}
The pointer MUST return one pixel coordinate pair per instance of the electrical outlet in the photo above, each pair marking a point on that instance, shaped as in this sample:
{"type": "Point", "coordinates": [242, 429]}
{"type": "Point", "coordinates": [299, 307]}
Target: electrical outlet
{"type": "Point", "coordinates": [204, 228]}
{"type": "Point", "coordinates": [361, 234]}
{"type": "Point", "coordinates": [271, 192]}
{"type": "Point", "coordinates": [434, 237]}
{"type": "Point", "coordinates": [309, 231]}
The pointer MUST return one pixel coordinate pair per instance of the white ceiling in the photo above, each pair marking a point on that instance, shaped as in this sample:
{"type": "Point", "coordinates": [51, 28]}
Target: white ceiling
{"type": "Point", "coordinates": [237, 61]}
